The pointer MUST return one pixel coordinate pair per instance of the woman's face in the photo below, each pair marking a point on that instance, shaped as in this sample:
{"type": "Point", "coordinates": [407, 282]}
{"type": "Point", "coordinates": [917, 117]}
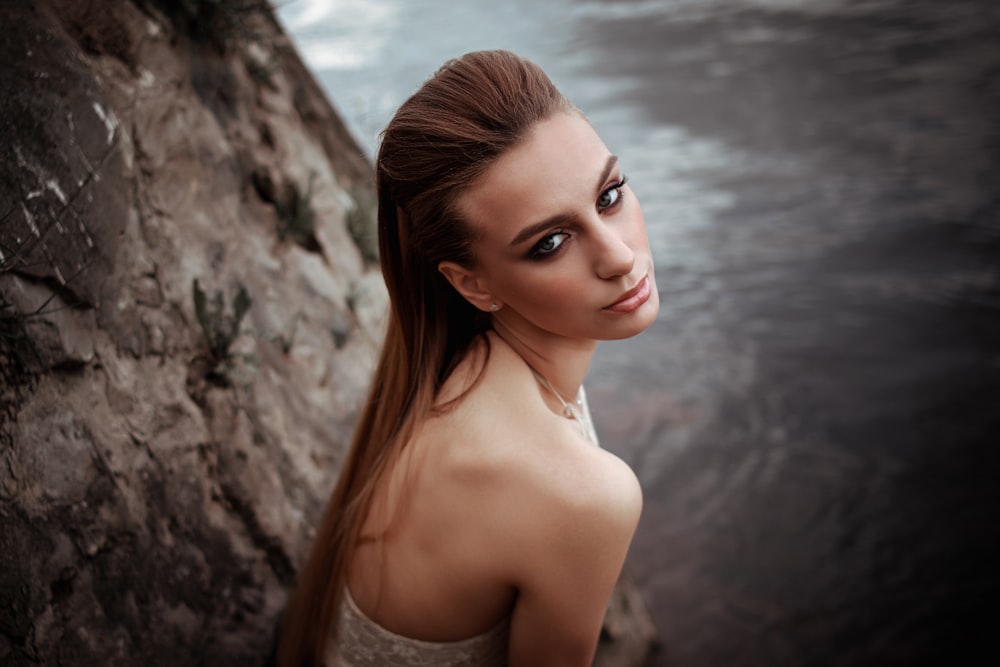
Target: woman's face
{"type": "Point", "coordinates": [560, 239]}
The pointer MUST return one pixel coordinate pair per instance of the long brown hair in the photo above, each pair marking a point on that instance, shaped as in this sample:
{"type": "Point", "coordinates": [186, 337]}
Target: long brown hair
{"type": "Point", "coordinates": [440, 141]}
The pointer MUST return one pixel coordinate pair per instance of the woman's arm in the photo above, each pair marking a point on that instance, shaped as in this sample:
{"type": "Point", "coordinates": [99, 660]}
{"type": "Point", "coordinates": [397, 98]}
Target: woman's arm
{"type": "Point", "coordinates": [576, 532]}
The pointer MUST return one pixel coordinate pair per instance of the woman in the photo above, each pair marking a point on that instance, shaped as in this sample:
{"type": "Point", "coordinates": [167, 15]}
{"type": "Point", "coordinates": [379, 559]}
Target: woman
{"type": "Point", "coordinates": [475, 521]}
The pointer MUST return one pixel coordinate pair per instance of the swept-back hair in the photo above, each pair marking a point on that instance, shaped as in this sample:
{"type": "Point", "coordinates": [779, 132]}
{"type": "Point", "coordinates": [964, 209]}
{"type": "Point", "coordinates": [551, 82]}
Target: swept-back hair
{"type": "Point", "coordinates": [441, 140]}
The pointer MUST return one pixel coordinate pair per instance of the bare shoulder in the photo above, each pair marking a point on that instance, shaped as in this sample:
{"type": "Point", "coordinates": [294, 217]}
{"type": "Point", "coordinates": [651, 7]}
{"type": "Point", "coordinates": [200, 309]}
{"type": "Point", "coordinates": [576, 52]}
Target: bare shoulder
{"type": "Point", "coordinates": [518, 505]}
{"type": "Point", "coordinates": [502, 429]}
{"type": "Point", "coordinates": [536, 477]}
{"type": "Point", "coordinates": [576, 492]}
{"type": "Point", "coordinates": [564, 527]}
{"type": "Point", "coordinates": [521, 470]}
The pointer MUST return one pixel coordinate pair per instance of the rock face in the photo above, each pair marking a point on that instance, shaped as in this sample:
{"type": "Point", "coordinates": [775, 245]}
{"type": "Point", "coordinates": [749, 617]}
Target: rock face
{"type": "Point", "coordinates": [163, 459]}
{"type": "Point", "coordinates": [157, 495]}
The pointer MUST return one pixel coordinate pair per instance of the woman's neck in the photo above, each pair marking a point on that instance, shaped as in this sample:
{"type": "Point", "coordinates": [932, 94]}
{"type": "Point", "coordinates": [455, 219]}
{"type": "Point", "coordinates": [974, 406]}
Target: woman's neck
{"type": "Point", "coordinates": [562, 362]}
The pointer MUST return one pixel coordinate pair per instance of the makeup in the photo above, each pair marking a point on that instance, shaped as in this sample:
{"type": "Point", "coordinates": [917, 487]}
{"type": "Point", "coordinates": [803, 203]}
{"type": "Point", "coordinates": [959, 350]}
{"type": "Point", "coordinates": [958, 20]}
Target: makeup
{"type": "Point", "coordinates": [633, 299]}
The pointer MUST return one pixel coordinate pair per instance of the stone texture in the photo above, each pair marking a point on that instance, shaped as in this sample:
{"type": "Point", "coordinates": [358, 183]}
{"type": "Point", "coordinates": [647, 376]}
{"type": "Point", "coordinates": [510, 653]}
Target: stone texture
{"type": "Point", "coordinates": [155, 499]}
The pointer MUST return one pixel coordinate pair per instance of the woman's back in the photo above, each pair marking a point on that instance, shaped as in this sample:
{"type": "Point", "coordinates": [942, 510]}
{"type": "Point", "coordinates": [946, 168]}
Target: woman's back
{"type": "Point", "coordinates": [480, 488]}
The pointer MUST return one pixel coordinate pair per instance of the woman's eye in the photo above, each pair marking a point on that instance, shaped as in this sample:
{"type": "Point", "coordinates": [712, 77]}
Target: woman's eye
{"type": "Point", "coordinates": [549, 244]}
{"type": "Point", "coordinates": [612, 195]}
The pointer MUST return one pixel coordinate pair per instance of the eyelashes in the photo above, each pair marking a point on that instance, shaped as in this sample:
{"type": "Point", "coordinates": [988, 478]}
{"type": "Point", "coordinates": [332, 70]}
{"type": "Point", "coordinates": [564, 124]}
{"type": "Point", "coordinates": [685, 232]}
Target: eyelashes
{"type": "Point", "coordinates": [551, 244]}
{"type": "Point", "coordinates": [605, 201]}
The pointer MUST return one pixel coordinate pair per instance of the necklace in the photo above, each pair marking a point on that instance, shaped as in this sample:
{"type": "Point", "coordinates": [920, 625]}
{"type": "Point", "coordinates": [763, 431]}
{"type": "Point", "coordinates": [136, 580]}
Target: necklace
{"type": "Point", "coordinates": [569, 410]}
{"type": "Point", "coordinates": [575, 410]}
{"type": "Point", "coordinates": [578, 410]}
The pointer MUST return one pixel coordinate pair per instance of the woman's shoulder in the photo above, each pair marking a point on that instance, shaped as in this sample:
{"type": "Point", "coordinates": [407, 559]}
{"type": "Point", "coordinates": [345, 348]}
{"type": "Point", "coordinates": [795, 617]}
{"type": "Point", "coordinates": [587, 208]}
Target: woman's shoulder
{"type": "Point", "coordinates": [564, 482]}
{"type": "Point", "coordinates": [527, 467]}
{"type": "Point", "coordinates": [552, 495]}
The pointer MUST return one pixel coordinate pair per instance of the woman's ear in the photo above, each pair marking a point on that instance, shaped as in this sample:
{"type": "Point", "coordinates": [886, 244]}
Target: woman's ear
{"type": "Point", "coordinates": [469, 284]}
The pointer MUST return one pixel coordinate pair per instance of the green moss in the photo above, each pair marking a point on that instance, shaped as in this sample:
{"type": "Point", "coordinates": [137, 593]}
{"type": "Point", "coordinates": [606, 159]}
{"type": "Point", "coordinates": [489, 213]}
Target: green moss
{"type": "Point", "coordinates": [219, 328]}
{"type": "Point", "coordinates": [296, 217]}
{"type": "Point", "coordinates": [362, 222]}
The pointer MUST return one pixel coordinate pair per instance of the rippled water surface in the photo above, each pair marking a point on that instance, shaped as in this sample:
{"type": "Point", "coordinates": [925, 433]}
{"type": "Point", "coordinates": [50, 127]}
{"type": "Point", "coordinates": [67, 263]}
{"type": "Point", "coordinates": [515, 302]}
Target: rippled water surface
{"type": "Point", "coordinates": [815, 416]}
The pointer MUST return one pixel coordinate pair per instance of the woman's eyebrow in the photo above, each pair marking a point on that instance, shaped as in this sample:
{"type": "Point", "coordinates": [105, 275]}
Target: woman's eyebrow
{"type": "Point", "coordinates": [559, 218]}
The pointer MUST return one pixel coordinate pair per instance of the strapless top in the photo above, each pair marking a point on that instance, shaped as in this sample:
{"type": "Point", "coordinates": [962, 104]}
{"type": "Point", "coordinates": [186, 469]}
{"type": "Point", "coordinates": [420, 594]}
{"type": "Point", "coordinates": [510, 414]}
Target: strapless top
{"type": "Point", "coordinates": [361, 642]}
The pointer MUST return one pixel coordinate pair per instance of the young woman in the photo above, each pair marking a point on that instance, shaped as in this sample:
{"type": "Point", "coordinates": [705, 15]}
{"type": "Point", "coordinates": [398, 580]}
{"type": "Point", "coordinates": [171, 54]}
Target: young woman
{"type": "Point", "coordinates": [476, 522]}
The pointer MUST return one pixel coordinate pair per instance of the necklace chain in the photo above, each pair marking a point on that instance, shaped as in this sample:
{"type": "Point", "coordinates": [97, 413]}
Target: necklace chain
{"type": "Point", "coordinates": [574, 410]}
{"type": "Point", "coordinates": [568, 409]}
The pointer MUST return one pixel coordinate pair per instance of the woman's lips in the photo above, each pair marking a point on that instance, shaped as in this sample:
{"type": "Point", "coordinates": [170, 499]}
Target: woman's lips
{"type": "Point", "coordinates": [632, 299]}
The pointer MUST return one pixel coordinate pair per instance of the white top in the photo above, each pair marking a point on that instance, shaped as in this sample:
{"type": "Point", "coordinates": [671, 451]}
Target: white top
{"type": "Point", "coordinates": [361, 642]}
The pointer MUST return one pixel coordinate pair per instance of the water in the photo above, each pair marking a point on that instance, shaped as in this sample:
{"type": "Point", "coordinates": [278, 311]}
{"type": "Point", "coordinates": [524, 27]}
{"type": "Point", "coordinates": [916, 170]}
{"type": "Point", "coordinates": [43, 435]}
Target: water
{"type": "Point", "coordinates": [814, 415]}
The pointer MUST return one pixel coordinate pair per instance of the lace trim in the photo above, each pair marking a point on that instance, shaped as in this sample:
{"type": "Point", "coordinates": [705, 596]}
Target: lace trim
{"type": "Point", "coordinates": [364, 643]}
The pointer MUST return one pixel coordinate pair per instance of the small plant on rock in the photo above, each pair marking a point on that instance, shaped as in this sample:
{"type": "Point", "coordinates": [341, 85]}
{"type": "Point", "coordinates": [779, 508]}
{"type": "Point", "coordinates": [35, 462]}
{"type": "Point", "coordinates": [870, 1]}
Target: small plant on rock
{"type": "Point", "coordinates": [297, 219]}
{"type": "Point", "coordinates": [362, 222]}
{"type": "Point", "coordinates": [219, 328]}
{"type": "Point", "coordinates": [287, 339]}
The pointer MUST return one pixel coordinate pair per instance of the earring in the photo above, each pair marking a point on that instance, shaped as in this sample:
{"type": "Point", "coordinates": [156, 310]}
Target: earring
{"type": "Point", "coordinates": [494, 307]}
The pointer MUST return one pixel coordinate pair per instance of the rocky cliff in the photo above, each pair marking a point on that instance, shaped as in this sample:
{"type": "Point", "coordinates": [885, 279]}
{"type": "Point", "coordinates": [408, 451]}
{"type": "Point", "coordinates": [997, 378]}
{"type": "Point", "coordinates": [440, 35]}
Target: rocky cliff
{"type": "Point", "coordinates": [189, 313]}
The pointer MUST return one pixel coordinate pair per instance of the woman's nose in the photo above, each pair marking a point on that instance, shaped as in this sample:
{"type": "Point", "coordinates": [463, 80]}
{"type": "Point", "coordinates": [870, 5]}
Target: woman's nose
{"type": "Point", "coordinates": [614, 256]}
